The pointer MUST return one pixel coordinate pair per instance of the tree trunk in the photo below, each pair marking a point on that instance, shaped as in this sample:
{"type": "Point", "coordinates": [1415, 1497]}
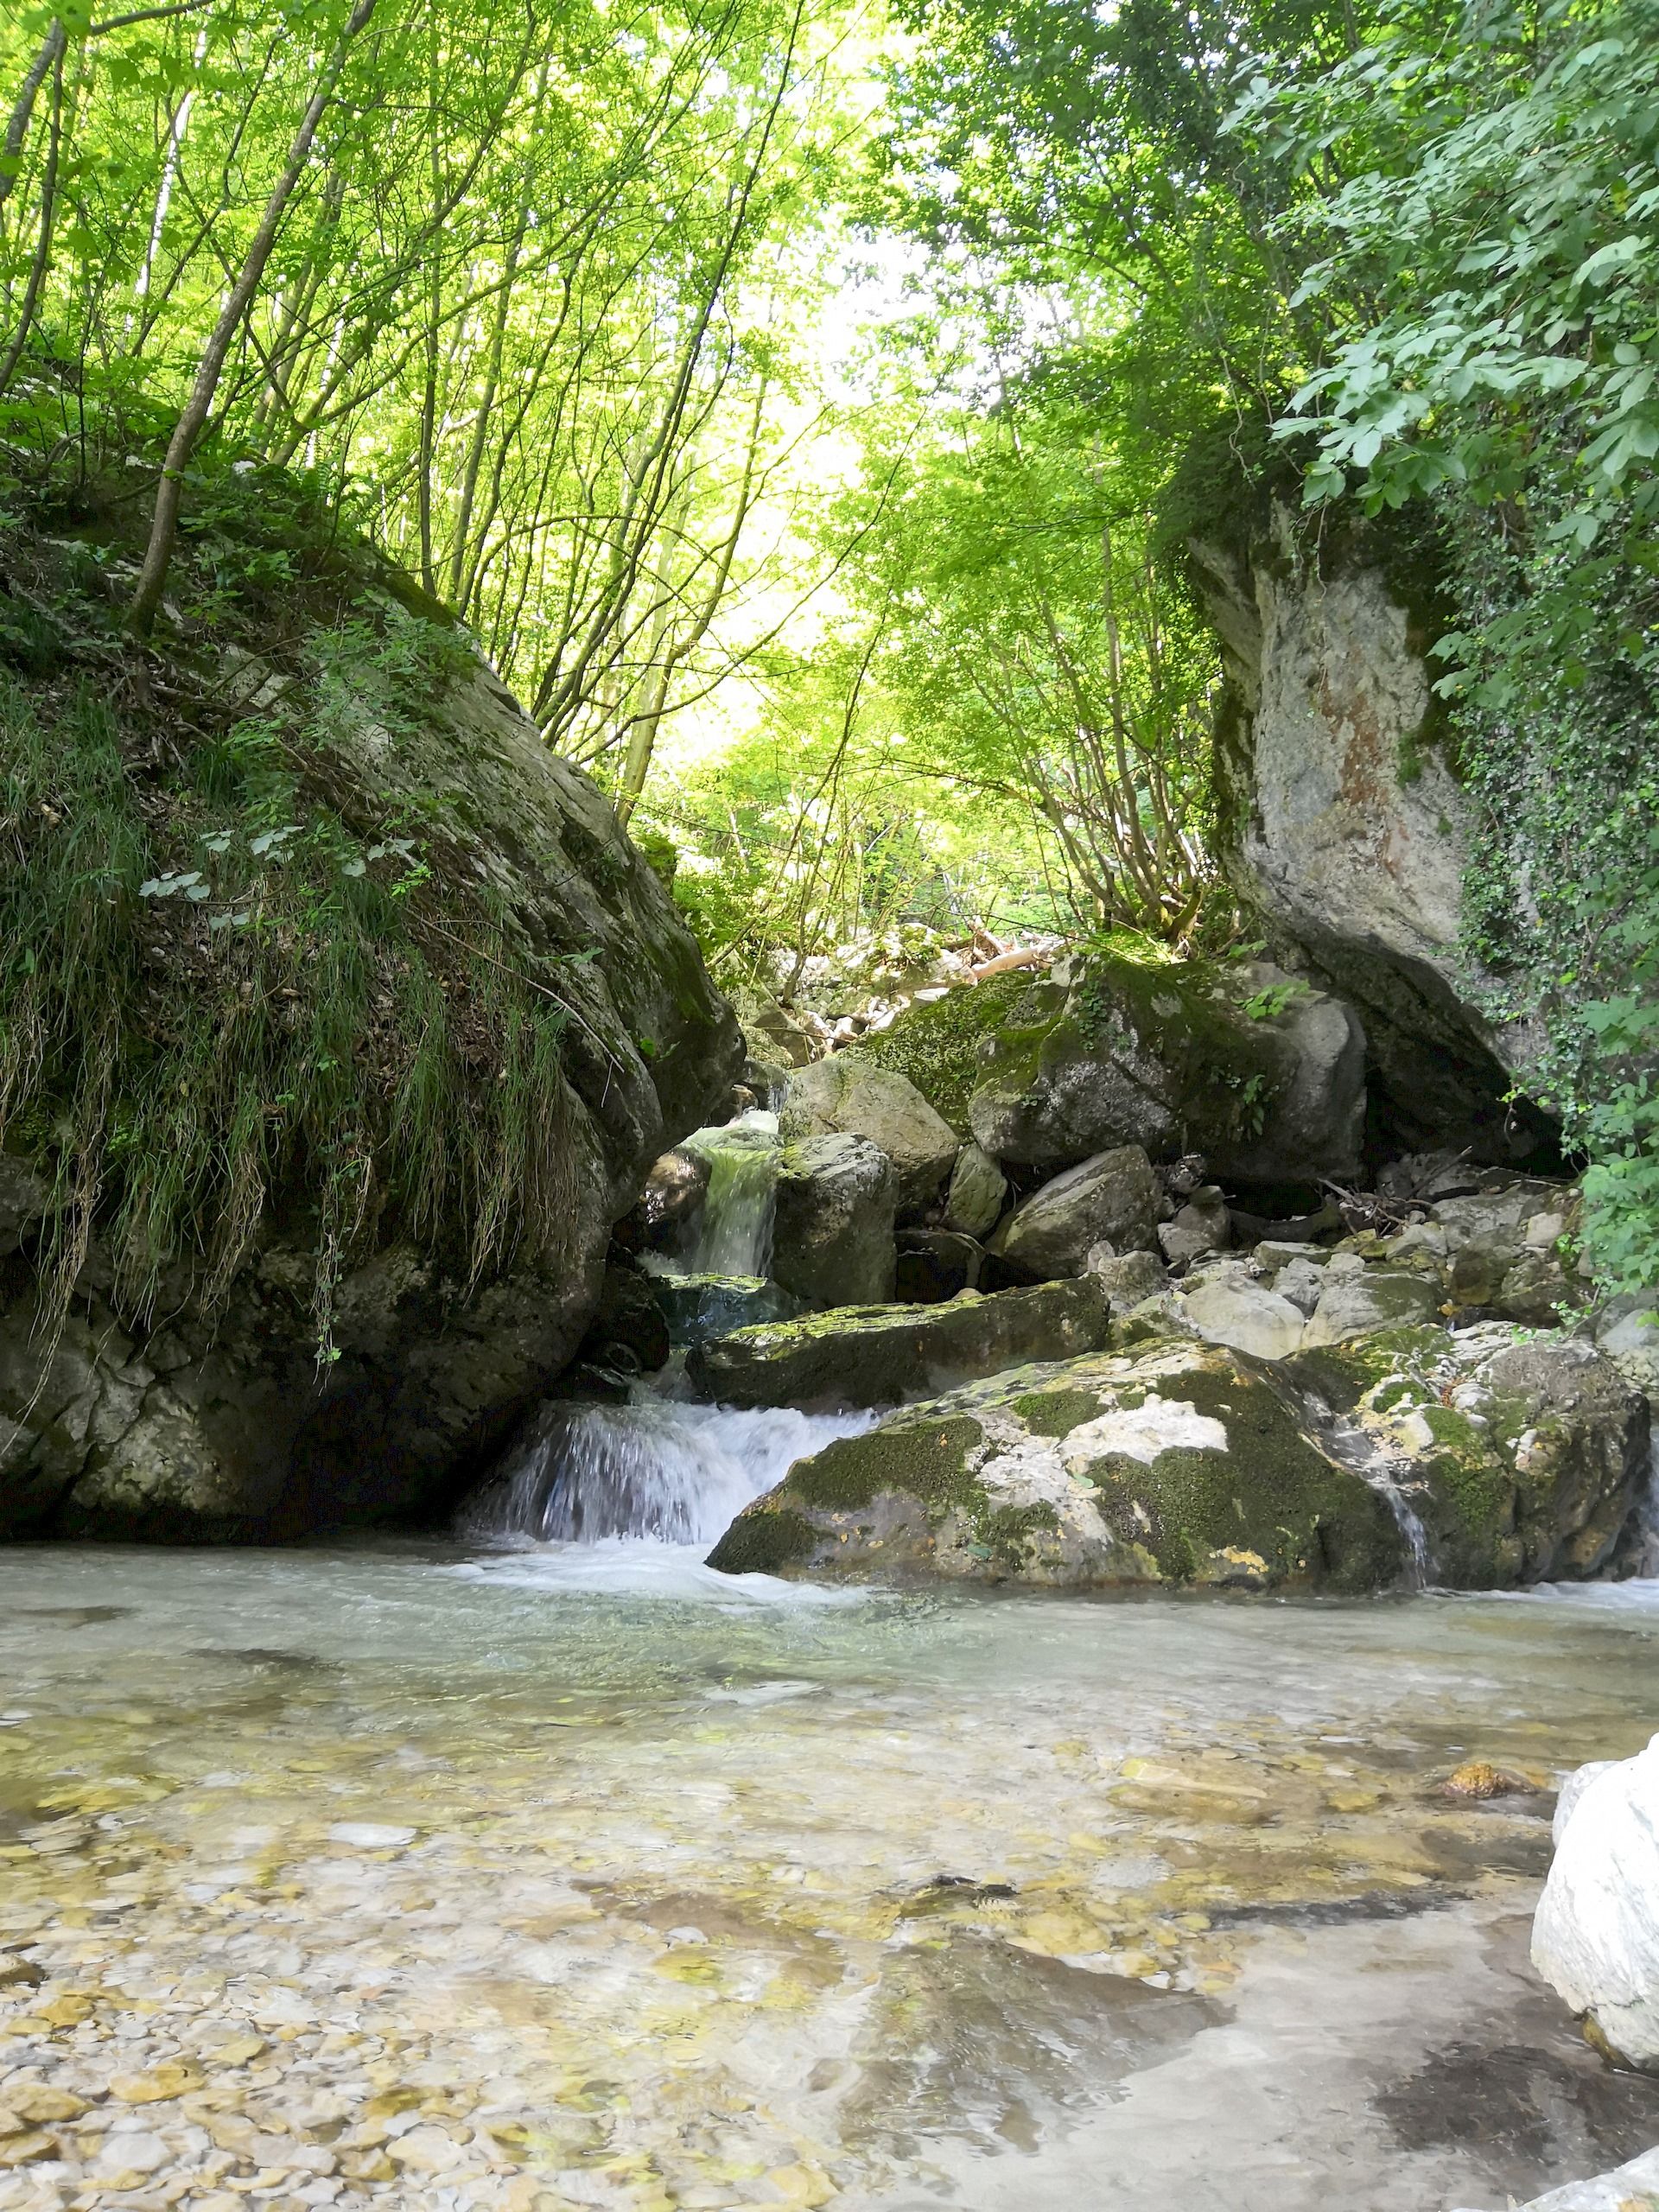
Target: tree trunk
{"type": "Point", "coordinates": [158, 555]}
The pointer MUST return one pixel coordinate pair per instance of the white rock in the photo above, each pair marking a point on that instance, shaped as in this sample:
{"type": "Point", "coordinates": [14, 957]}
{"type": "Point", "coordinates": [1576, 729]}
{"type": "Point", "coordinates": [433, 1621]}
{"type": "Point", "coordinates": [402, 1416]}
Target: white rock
{"type": "Point", "coordinates": [1246, 1316]}
{"type": "Point", "coordinates": [370, 1835]}
{"type": "Point", "coordinates": [1595, 1939]}
{"type": "Point", "coordinates": [1612, 2192]}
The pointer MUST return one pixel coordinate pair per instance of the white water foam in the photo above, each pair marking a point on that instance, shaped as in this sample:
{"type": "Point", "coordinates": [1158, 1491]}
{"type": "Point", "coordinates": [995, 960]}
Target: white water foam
{"type": "Point", "coordinates": [734, 1234]}
{"type": "Point", "coordinates": [673, 1474]}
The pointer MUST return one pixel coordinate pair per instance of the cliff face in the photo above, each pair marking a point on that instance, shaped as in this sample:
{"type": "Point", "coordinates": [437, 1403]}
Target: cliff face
{"type": "Point", "coordinates": [199, 1408]}
{"type": "Point", "coordinates": [1346, 830]}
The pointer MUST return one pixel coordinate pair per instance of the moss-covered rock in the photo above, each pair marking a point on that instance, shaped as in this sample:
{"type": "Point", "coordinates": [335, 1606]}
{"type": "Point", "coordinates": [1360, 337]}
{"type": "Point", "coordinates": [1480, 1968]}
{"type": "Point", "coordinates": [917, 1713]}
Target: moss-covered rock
{"type": "Point", "coordinates": [1178, 1464]}
{"type": "Point", "coordinates": [849, 1096]}
{"type": "Point", "coordinates": [1511, 1459]}
{"type": "Point", "coordinates": [941, 1044]}
{"type": "Point", "coordinates": [879, 1355]}
{"type": "Point", "coordinates": [1241, 1062]}
{"type": "Point", "coordinates": [1522, 1455]}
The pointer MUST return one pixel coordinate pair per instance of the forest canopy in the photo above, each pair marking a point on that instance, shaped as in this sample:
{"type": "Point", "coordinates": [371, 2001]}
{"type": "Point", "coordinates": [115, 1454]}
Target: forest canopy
{"type": "Point", "coordinates": [807, 409]}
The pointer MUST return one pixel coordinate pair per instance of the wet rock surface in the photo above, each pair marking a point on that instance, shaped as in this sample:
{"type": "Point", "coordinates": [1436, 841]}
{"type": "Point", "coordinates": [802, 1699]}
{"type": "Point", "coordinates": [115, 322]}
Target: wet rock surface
{"type": "Point", "coordinates": [1478, 1461]}
{"type": "Point", "coordinates": [880, 1355]}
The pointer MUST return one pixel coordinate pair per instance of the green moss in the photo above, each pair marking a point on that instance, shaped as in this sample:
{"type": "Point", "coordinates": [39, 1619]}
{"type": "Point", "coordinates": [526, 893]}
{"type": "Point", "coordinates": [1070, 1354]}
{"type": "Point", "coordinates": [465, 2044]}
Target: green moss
{"type": "Point", "coordinates": [764, 1540]}
{"type": "Point", "coordinates": [1007, 1533]}
{"type": "Point", "coordinates": [1270, 1492]}
{"type": "Point", "coordinates": [1055, 1413]}
{"type": "Point", "coordinates": [936, 1044]}
{"type": "Point", "coordinates": [926, 1460]}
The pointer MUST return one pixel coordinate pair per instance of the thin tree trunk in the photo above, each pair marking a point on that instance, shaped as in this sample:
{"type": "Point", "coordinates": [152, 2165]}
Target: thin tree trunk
{"type": "Point", "coordinates": [50, 55]}
{"type": "Point", "coordinates": [43, 248]}
{"type": "Point", "coordinates": [152, 579]}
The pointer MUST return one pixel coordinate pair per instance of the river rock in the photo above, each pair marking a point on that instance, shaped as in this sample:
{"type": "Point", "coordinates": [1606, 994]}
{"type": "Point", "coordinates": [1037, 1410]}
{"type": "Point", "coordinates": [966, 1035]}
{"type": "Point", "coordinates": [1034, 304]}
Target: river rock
{"type": "Point", "coordinates": [1177, 1463]}
{"type": "Point", "coordinates": [1263, 1075]}
{"type": "Point", "coordinates": [833, 1231]}
{"type": "Point", "coordinates": [1127, 1278]}
{"type": "Point", "coordinates": [849, 1096]}
{"type": "Point", "coordinates": [1632, 2188]}
{"type": "Point", "coordinates": [978, 1192]}
{"type": "Point", "coordinates": [880, 1355]}
{"type": "Point", "coordinates": [197, 1425]}
{"type": "Point", "coordinates": [1358, 1301]}
{"type": "Point", "coordinates": [1203, 1225]}
{"type": "Point", "coordinates": [1595, 1938]}
{"type": "Point", "coordinates": [1231, 1309]}
{"type": "Point", "coordinates": [1522, 1455]}
{"type": "Point", "coordinates": [698, 1305]}
{"type": "Point", "coordinates": [1481, 1462]}
{"type": "Point", "coordinates": [1113, 1197]}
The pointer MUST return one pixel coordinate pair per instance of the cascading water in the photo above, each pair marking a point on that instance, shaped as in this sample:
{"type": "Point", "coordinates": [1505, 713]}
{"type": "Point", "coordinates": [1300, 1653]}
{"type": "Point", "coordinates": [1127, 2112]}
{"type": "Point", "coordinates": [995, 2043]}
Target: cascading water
{"type": "Point", "coordinates": [734, 1234]}
{"type": "Point", "coordinates": [653, 1469]}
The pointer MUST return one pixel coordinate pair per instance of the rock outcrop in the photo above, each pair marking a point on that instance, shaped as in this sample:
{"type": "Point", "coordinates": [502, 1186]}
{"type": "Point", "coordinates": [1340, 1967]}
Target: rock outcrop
{"type": "Point", "coordinates": [1481, 1462]}
{"type": "Point", "coordinates": [1596, 1935]}
{"type": "Point", "coordinates": [1344, 824]}
{"type": "Point", "coordinates": [880, 1355]}
{"type": "Point", "coordinates": [214, 1424]}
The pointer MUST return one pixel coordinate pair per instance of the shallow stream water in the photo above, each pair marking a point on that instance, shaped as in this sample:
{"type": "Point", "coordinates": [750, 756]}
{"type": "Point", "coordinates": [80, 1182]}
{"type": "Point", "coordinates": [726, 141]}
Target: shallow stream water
{"type": "Point", "coordinates": [579, 1876]}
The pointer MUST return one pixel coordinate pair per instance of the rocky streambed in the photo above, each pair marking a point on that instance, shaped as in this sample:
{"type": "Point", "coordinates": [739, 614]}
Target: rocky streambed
{"type": "Point", "coordinates": [579, 1876]}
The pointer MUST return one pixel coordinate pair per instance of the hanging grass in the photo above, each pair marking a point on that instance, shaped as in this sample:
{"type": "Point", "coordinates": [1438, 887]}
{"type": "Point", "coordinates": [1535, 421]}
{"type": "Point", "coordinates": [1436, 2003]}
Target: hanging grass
{"type": "Point", "coordinates": [222, 1005]}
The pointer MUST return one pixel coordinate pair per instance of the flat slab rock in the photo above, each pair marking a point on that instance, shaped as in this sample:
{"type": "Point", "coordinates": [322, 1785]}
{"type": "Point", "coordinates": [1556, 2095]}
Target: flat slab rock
{"type": "Point", "coordinates": [1182, 1463]}
{"type": "Point", "coordinates": [880, 1355]}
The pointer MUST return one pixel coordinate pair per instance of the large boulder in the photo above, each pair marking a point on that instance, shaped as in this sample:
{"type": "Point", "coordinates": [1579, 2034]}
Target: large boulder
{"type": "Point", "coordinates": [1248, 1065]}
{"type": "Point", "coordinates": [1595, 1938]}
{"type": "Point", "coordinates": [201, 1411]}
{"type": "Point", "coordinates": [1113, 1199]}
{"type": "Point", "coordinates": [849, 1096]}
{"type": "Point", "coordinates": [1342, 823]}
{"type": "Point", "coordinates": [832, 1241]}
{"type": "Point", "coordinates": [880, 1355]}
{"type": "Point", "coordinates": [1177, 1465]}
{"type": "Point", "coordinates": [1477, 1463]}
{"type": "Point", "coordinates": [1523, 1456]}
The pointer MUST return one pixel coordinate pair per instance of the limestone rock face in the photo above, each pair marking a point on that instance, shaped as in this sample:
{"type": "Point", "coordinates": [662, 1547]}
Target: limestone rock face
{"type": "Point", "coordinates": [1112, 1197]}
{"type": "Point", "coordinates": [849, 1096]}
{"type": "Point", "coordinates": [1250, 1066]}
{"type": "Point", "coordinates": [879, 1355]}
{"type": "Point", "coordinates": [1595, 1939]}
{"type": "Point", "coordinates": [832, 1240]}
{"type": "Point", "coordinates": [199, 1427]}
{"type": "Point", "coordinates": [1345, 828]}
{"type": "Point", "coordinates": [1506, 1459]}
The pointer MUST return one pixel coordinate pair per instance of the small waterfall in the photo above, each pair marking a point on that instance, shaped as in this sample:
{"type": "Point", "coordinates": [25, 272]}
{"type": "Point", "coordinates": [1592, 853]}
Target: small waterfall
{"type": "Point", "coordinates": [679, 1474]}
{"type": "Point", "coordinates": [734, 1231]}
{"type": "Point", "coordinates": [1374, 1466]}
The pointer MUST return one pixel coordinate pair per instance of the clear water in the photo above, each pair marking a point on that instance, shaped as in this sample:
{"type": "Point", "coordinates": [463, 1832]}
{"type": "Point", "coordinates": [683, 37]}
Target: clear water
{"type": "Point", "coordinates": [581, 1876]}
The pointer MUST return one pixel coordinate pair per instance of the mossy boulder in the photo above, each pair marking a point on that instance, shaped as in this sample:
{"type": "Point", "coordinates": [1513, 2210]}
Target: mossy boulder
{"type": "Point", "coordinates": [1523, 1455]}
{"type": "Point", "coordinates": [1512, 1458]}
{"type": "Point", "coordinates": [1112, 1198]}
{"type": "Point", "coordinates": [941, 1044]}
{"type": "Point", "coordinates": [832, 1241]}
{"type": "Point", "coordinates": [1178, 1464]}
{"type": "Point", "coordinates": [1261, 1074]}
{"type": "Point", "coordinates": [879, 1355]}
